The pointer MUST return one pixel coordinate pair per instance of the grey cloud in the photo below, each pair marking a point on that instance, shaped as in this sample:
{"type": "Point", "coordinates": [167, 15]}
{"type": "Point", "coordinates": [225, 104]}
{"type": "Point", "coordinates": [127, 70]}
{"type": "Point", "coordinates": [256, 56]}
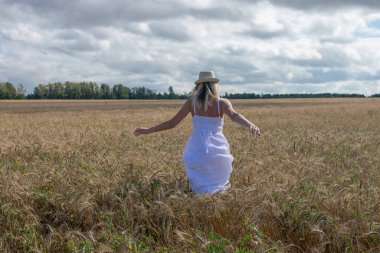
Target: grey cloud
{"type": "Point", "coordinates": [323, 30]}
{"type": "Point", "coordinates": [44, 5]}
{"type": "Point", "coordinates": [143, 67]}
{"type": "Point", "coordinates": [361, 76]}
{"type": "Point", "coordinates": [297, 88]}
{"type": "Point", "coordinates": [127, 66]}
{"type": "Point", "coordinates": [67, 34]}
{"type": "Point", "coordinates": [170, 30]}
{"type": "Point", "coordinates": [263, 34]}
{"type": "Point", "coordinates": [2, 37]}
{"type": "Point", "coordinates": [72, 41]}
{"type": "Point", "coordinates": [321, 76]}
{"type": "Point", "coordinates": [75, 46]}
{"type": "Point", "coordinates": [98, 13]}
{"type": "Point", "coordinates": [222, 13]}
{"type": "Point", "coordinates": [103, 13]}
{"type": "Point", "coordinates": [234, 69]}
{"type": "Point", "coordinates": [331, 58]}
{"type": "Point", "coordinates": [326, 4]}
{"type": "Point", "coordinates": [148, 42]}
{"type": "Point", "coordinates": [337, 40]}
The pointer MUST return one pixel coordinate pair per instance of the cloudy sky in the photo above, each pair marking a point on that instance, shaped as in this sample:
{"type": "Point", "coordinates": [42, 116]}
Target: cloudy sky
{"type": "Point", "coordinates": [253, 46]}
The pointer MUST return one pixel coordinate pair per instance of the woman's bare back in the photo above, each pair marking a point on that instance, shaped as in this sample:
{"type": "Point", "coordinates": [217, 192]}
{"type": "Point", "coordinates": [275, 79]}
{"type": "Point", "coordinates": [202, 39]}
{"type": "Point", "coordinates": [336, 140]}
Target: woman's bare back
{"type": "Point", "coordinates": [212, 109]}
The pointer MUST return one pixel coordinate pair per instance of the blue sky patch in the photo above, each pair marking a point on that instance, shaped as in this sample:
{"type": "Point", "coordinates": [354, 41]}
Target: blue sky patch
{"type": "Point", "coordinates": [374, 24]}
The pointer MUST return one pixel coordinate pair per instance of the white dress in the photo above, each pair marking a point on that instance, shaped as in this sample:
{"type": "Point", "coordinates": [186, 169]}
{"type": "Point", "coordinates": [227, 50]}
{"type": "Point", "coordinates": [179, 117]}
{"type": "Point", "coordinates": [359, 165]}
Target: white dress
{"type": "Point", "coordinates": [207, 158]}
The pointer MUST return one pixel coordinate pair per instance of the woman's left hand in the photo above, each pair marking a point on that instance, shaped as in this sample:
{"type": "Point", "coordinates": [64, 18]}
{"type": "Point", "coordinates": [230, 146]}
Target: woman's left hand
{"type": "Point", "coordinates": [255, 130]}
{"type": "Point", "coordinates": [141, 130]}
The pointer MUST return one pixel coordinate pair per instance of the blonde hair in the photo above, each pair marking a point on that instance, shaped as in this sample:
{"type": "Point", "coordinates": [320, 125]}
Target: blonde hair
{"type": "Point", "coordinates": [203, 93]}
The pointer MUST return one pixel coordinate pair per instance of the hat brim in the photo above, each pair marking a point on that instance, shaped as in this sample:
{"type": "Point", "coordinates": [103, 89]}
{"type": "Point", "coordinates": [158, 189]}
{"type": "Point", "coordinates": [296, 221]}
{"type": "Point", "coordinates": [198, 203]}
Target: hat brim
{"type": "Point", "coordinates": [213, 80]}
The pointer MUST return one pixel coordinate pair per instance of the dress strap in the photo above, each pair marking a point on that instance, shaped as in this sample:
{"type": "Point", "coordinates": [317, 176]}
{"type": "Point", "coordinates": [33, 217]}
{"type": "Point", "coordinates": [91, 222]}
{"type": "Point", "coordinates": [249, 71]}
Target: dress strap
{"type": "Point", "coordinates": [195, 111]}
{"type": "Point", "coordinates": [218, 107]}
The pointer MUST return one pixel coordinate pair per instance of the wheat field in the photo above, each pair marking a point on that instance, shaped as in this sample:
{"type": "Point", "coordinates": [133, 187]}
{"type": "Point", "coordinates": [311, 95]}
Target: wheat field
{"type": "Point", "coordinates": [73, 178]}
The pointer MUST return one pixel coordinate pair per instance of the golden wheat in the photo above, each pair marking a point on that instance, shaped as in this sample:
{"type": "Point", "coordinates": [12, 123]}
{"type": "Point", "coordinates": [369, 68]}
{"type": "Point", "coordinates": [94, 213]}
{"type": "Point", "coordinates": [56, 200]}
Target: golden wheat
{"type": "Point", "coordinates": [74, 179]}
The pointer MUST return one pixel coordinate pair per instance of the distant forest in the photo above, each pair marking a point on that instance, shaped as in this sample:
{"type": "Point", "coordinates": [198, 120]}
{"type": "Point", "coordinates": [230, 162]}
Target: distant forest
{"type": "Point", "coordinates": [91, 90]}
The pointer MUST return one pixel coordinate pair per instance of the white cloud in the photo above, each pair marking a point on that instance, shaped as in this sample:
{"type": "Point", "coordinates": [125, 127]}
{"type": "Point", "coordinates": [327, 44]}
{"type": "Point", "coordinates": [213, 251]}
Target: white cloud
{"type": "Point", "coordinates": [253, 46]}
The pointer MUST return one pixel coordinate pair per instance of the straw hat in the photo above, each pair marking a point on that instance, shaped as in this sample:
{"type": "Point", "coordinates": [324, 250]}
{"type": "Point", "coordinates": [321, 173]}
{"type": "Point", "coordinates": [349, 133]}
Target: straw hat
{"type": "Point", "coordinates": [206, 76]}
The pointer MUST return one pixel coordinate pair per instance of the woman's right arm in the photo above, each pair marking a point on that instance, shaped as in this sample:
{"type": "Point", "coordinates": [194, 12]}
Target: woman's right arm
{"type": "Point", "coordinates": [238, 118]}
{"type": "Point", "coordinates": [169, 124]}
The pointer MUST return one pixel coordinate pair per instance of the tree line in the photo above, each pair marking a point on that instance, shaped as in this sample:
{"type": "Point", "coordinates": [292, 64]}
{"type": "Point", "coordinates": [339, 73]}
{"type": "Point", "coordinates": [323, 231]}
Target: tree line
{"type": "Point", "coordinates": [92, 90]}
{"type": "Point", "coordinates": [294, 95]}
{"type": "Point", "coordinates": [9, 91]}
{"type": "Point", "coordinates": [84, 90]}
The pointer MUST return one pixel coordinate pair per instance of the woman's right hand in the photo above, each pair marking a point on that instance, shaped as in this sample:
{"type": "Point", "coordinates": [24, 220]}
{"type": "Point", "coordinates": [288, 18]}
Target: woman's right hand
{"type": "Point", "coordinates": [141, 130]}
{"type": "Point", "coordinates": [255, 130]}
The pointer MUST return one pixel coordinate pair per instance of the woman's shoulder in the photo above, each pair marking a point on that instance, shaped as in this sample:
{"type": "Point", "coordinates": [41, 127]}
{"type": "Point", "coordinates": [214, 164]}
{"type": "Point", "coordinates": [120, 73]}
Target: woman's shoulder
{"type": "Point", "coordinates": [224, 101]}
{"type": "Point", "coordinates": [188, 102]}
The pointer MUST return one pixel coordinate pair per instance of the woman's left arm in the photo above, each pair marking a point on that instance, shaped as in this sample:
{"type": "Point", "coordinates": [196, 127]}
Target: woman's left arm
{"type": "Point", "coordinates": [172, 123]}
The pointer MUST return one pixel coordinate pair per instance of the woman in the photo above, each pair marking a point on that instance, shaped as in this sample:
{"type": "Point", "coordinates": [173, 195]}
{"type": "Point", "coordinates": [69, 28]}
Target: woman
{"type": "Point", "coordinates": [207, 158]}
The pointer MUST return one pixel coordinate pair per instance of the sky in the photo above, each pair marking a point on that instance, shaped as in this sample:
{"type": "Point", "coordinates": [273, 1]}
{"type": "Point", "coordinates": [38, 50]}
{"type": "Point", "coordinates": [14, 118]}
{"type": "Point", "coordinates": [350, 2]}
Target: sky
{"type": "Point", "coordinates": [295, 46]}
